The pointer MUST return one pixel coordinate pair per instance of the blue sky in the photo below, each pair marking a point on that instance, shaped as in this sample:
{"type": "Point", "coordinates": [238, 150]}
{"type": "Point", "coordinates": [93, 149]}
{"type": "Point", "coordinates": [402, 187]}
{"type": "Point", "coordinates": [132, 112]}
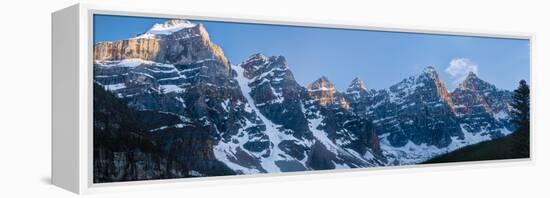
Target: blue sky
{"type": "Point", "coordinates": [380, 58]}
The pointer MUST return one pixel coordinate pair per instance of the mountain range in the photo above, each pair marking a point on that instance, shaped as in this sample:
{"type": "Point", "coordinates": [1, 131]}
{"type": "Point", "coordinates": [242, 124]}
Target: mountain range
{"type": "Point", "coordinates": [208, 117]}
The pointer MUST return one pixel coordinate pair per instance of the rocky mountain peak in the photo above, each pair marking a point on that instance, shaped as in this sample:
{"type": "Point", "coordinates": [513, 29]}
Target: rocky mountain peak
{"type": "Point", "coordinates": [428, 74]}
{"type": "Point", "coordinates": [430, 70]}
{"type": "Point", "coordinates": [260, 65]}
{"type": "Point", "coordinates": [259, 56]}
{"type": "Point", "coordinates": [426, 83]}
{"type": "Point", "coordinates": [256, 60]}
{"type": "Point", "coordinates": [356, 91]}
{"type": "Point", "coordinates": [440, 86]}
{"type": "Point", "coordinates": [431, 73]}
{"type": "Point", "coordinates": [474, 83]}
{"type": "Point", "coordinates": [471, 78]}
{"type": "Point", "coordinates": [324, 79]}
{"type": "Point", "coordinates": [356, 85]}
{"type": "Point", "coordinates": [173, 42]}
{"type": "Point", "coordinates": [472, 74]}
{"type": "Point", "coordinates": [482, 107]}
{"type": "Point", "coordinates": [324, 91]}
{"type": "Point", "coordinates": [322, 84]}
{"type": "Point", "coordinates": [176, 22]}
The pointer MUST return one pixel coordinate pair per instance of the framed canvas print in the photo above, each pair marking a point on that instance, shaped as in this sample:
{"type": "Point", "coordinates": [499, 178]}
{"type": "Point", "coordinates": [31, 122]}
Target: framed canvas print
{"type": "Point", "coordinates": [141, 97]}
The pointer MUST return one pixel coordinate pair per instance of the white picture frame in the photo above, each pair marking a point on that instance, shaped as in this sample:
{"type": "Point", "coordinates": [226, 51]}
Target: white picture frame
{"type": "Point", "coordinates": [72, 53]}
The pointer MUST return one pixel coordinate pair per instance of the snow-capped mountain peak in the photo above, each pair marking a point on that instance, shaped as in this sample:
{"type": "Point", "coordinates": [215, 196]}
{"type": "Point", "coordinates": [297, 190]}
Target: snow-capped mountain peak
{"type": "Point", "coordinates": [167, 28]}
{"type": "Point", "coordinates": [170, 26]}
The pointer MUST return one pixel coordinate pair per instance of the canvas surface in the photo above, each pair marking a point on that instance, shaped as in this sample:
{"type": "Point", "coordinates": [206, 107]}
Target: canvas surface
{"type": "Point", "coordinates": [176, 98]}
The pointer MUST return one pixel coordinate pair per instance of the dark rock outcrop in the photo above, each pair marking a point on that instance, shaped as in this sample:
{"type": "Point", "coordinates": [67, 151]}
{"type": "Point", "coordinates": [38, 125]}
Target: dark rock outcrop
{"type": "Point", "coordinates": [124, 150]}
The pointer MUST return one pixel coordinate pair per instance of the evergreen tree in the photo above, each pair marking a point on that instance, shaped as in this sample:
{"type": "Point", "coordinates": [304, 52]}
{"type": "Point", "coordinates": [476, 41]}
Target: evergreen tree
{"type": "Point", "coordinates": [520, 117]}
{"type": "Point", "coordinates": [520, 105]}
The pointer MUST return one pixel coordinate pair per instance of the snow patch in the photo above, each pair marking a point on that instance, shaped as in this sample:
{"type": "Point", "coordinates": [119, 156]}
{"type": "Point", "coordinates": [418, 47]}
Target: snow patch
{"type": "Point", "coordinates": [115, 87]}
{"type": "Point", "coordinates": [131, 62]}
{"type": "Point", "coordinates": [171, 88]}
{"type": "Point", "coordinates": [501, 115]}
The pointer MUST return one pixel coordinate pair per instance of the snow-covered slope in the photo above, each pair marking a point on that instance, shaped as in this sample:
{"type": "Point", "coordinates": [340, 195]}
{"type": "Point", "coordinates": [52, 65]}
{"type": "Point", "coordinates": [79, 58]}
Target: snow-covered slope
{"type": "Point", "coordinates": [270, 158]}
{"type": "Point", "coordinates": [287, 148]}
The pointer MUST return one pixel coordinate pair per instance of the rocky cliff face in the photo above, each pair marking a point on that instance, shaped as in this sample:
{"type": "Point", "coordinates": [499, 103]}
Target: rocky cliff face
{"type": "Point", "coordinates": [417, 109]}
{"type": "Point", "coordinates": [174, 42]}
{"type": "Point", "coordinates": [496, 100]}
{"type": "Point", "coordinates": [143, 48]}
{"type": "Point", "coordinates": [275, 91]}
{"type": "Point", "coordinates": [482, 108]}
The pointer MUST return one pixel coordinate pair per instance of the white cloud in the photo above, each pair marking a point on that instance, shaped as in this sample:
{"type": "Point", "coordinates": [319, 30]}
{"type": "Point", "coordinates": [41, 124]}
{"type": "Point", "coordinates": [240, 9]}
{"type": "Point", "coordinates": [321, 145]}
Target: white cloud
{"type": "Point", "coordinates": [459, 68]}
